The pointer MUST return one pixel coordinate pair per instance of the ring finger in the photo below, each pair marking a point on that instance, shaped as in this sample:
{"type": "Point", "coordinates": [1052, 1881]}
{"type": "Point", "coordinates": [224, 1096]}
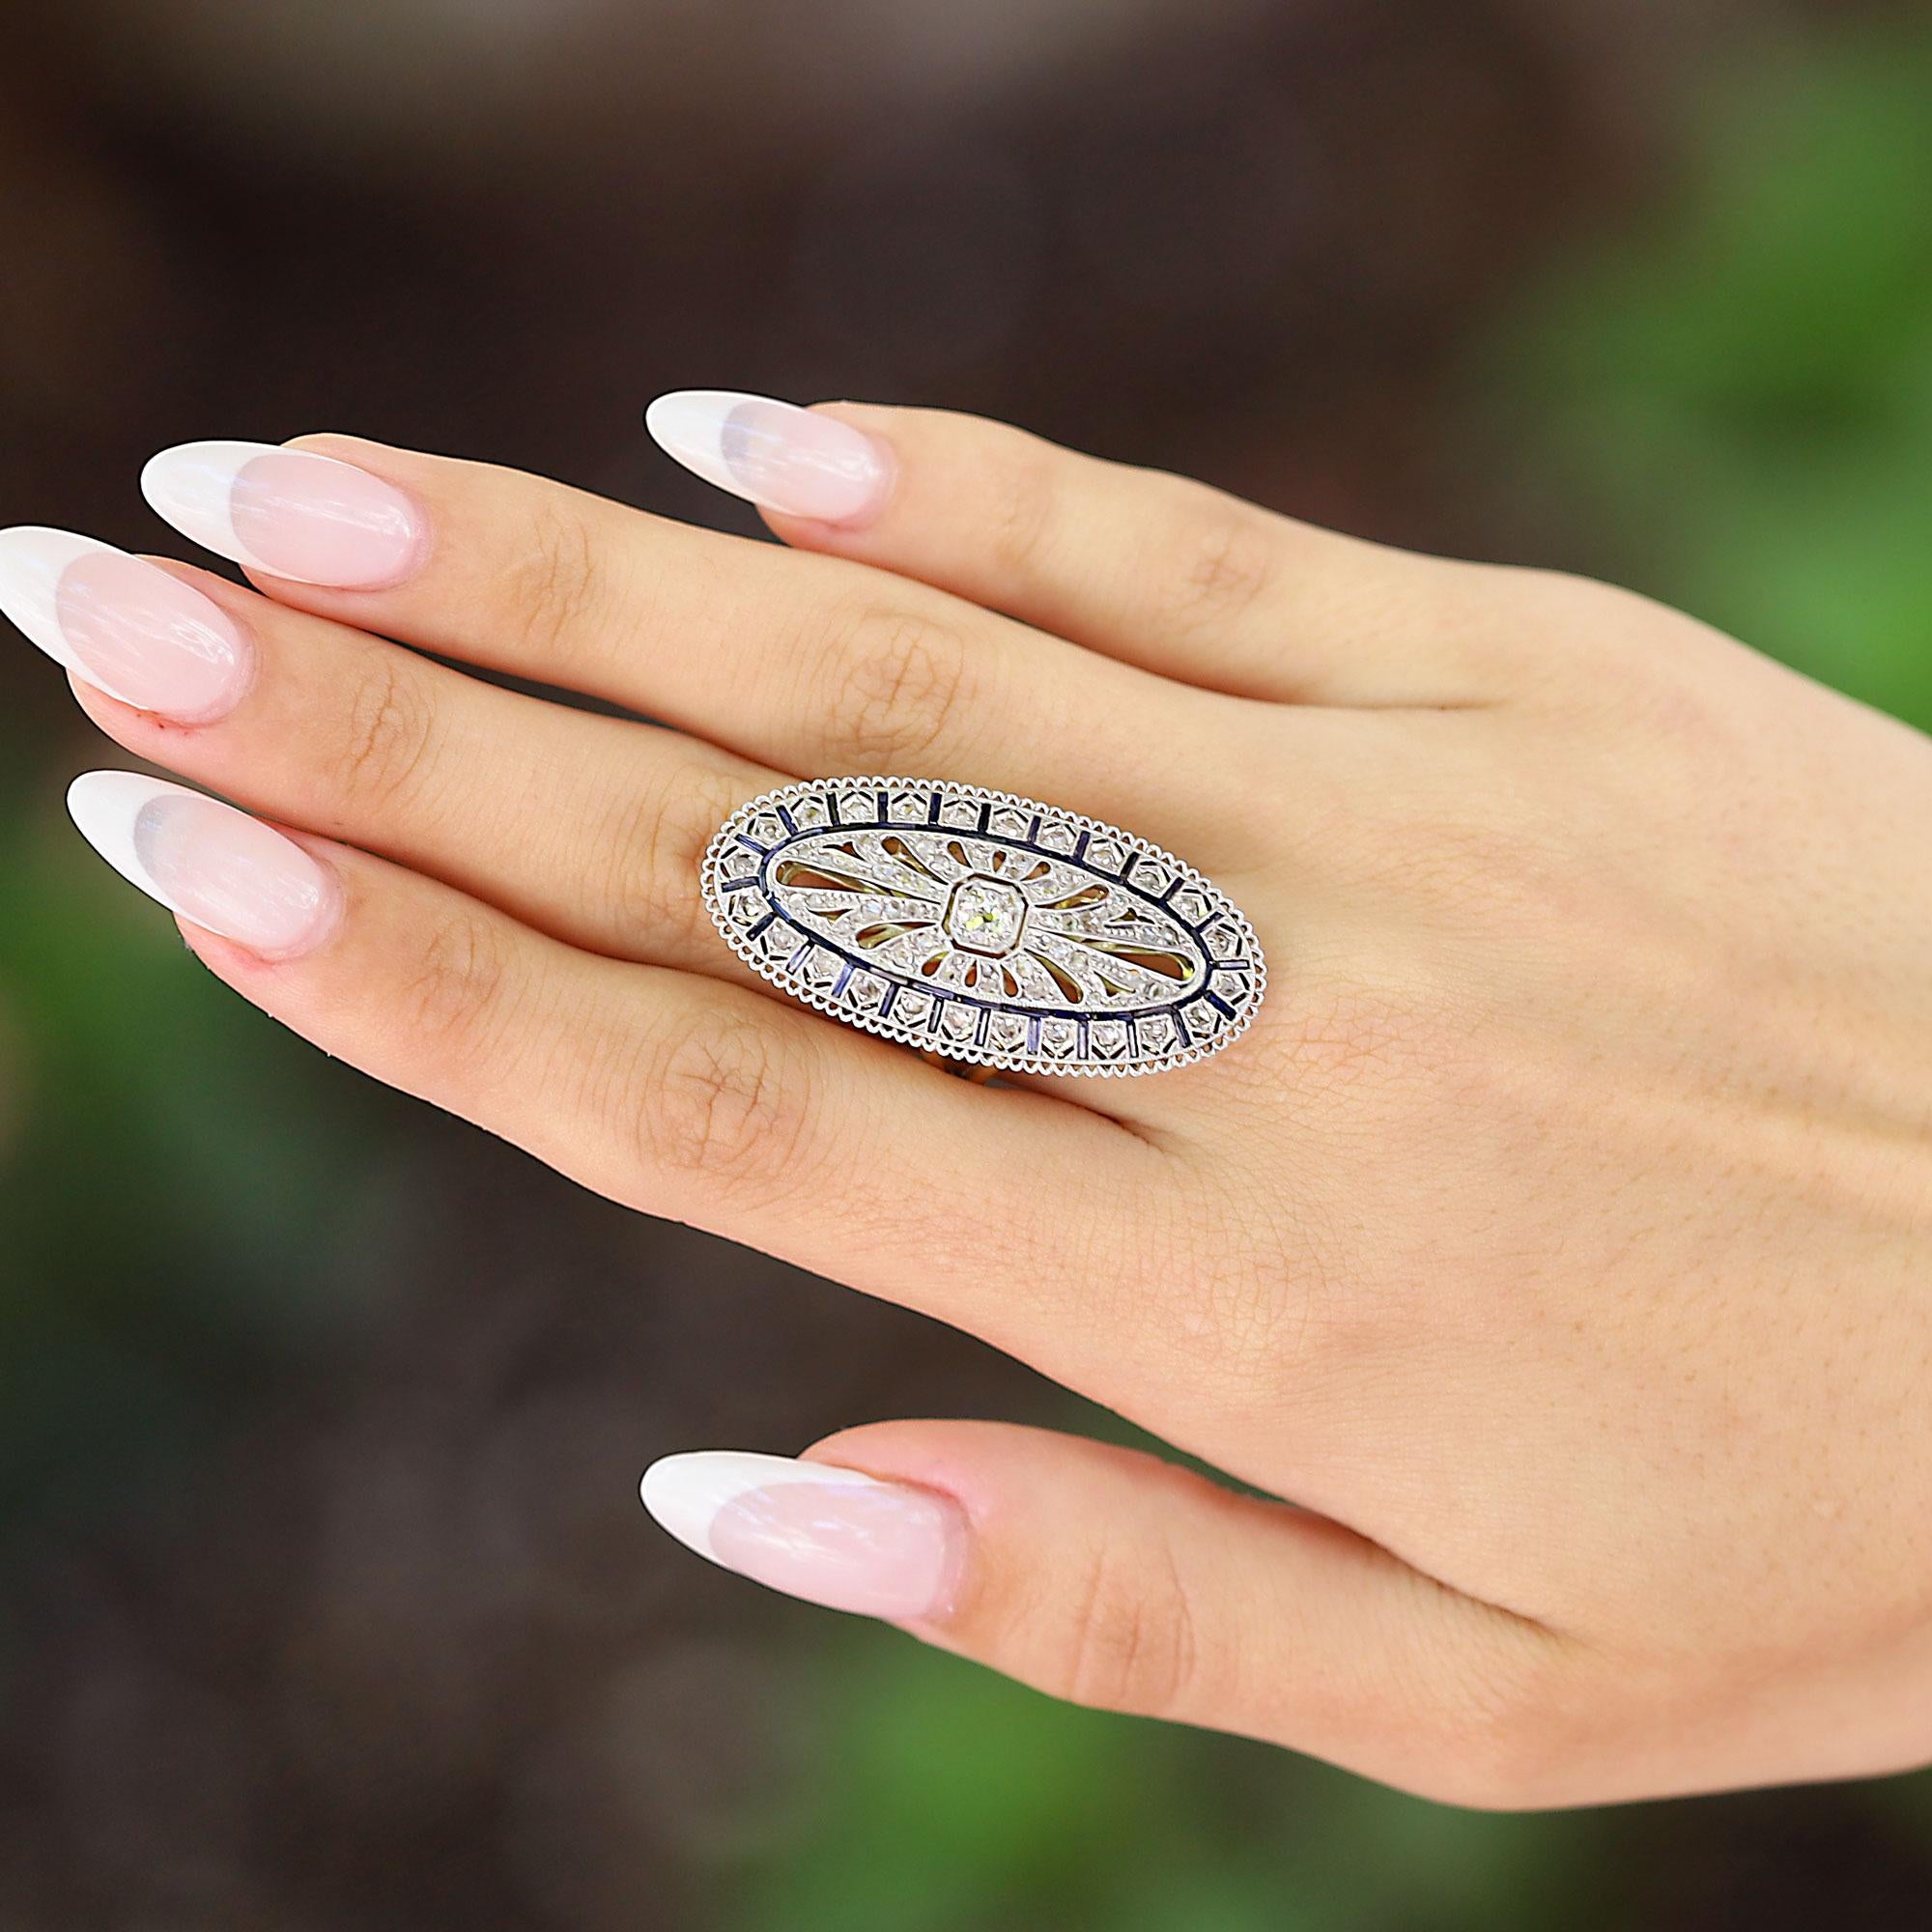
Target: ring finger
{"type": "Point", "coordinates": [665, 1091]}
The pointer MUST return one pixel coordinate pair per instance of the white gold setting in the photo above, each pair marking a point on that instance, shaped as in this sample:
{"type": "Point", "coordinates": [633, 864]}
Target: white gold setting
{"type": "Point", "coordinates": [987, 929]}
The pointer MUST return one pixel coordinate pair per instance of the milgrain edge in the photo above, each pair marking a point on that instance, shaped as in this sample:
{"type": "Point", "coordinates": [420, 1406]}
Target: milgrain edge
{"type": "Point", "coordinates": [827, 1000]}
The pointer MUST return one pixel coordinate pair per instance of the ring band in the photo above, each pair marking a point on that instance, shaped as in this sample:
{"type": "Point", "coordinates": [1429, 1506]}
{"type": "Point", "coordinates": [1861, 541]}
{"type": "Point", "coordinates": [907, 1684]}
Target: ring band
{"type": "Point", "coordinates": [982, 927]}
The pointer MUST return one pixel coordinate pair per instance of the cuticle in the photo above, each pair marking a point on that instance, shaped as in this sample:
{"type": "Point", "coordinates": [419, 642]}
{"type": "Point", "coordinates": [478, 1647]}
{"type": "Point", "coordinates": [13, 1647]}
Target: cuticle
{"type": "Point", "coordinates": [882, 497]}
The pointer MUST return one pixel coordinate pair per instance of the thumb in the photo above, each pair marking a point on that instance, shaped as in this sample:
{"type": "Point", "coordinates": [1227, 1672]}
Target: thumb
{"type": "Point", "coordinates": [1115, 1580]}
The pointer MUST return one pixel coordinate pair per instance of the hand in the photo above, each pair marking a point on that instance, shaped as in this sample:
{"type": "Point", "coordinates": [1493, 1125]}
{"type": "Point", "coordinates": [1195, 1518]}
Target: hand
{"type": "Point", "coordinates": [1558, 1238]}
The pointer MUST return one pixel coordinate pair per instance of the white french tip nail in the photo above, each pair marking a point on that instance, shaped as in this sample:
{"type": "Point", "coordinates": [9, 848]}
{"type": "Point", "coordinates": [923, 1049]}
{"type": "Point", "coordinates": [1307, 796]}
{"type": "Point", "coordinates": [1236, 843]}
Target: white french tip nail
{"type": "Point", "coordinates": [689, 426]}
{"type": "Point", "coordinates": [207, 863]}
{"type": "Point", "coordinates": [294, 514]}
{"type": "Point", "coordinates": [33, 560]}
{"type": "Point", "coordinates": [192, 486]}
{"type": "Point", "coordinates": [684, 1493]}
{"type": "Point", "coordinates": [802, 463]}
{"type": "Point", "coordinates": [105, 808]}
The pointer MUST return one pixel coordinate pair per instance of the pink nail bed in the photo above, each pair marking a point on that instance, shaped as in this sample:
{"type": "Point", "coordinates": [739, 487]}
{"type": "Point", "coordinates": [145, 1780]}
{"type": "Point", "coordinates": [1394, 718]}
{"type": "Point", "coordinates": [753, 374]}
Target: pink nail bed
{"type": "Point", "coordinates": [148, 638]}
{"type": "Point", "coordinates": [289, 513]}
{"type": "Point", "coordinates": [123, 625]}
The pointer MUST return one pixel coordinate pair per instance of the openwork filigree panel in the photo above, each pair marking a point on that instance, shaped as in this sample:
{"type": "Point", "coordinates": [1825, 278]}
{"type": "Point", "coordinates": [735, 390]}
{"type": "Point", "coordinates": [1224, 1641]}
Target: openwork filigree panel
{"type": "Point", "coordinates": [986, 927]}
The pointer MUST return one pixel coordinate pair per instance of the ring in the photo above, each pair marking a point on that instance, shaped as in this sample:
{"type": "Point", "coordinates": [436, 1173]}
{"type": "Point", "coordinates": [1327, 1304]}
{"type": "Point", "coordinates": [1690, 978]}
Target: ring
{"type": "Point", "coordinates": [983, 928]}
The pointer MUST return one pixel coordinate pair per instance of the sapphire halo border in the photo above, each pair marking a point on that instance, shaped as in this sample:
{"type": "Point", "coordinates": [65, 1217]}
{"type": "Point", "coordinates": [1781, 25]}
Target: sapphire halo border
{"type": "Point", "coordinates": [1115, 1022]}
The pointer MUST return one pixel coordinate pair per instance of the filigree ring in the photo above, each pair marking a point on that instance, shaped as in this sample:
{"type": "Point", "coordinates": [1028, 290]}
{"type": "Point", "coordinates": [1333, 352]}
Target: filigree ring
{"type": "Point", "coordinates": [989, 931]}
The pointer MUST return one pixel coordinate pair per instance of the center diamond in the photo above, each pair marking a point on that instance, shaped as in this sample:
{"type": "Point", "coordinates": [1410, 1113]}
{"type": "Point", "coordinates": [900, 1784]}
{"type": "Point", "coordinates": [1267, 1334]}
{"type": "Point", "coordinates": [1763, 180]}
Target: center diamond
{"type": "Point", "coordinates": [985, 915]}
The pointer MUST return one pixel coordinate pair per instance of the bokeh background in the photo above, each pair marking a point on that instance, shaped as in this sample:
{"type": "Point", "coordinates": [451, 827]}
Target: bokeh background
{"type": "Point", "coordinates": [324, 1599]}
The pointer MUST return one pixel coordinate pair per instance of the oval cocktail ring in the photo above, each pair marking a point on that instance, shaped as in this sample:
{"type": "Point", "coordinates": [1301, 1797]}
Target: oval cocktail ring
{"type": "Point", "coordinates": [982, 928]}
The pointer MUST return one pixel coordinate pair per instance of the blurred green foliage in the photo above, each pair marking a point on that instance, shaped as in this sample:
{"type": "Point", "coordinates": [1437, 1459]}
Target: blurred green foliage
{"type": "Point", "coordinates": [1732, 407]}
{"type": "Point", "coordinates": [173, 1177]}
{"type": "Point", "coordinates": [954, 1802]}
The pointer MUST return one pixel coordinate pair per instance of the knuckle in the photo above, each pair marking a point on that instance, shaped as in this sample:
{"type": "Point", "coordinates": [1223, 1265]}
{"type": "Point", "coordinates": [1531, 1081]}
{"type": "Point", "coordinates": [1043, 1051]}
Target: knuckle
{"type": "Point", "coordinates": [903, 680]}
{"type": "Point", "coordinates": [1349, 1041]}
{"type": "Point", "coordinates": [555, 584]}
{"type": "Point", "coordinates": [1496, 1739]}
{"type": "Point", "coordinates": [1022, 514]}
{"type": "Point", "coordinates": [1261, 1291]}
{"type": "Point", "coordinates": [389, 730]}
{"type": "Point", "coordinates": [1129, 1641]}
{"type": "Point", "coordinates": [1223, 564]}
{"type": "Point", "coordinates": [1645, 659]}
{"type": "Point", "coordinates": [727, 1101]}
{"type": "Point", "coordinates": [1255, 1321]}
{"type": "Point", "coordinates": [452, 1001]}
{"type": "Point", "coordinates": [1484, 1772]}
{"type": "Point", "coordinates": [656, 842]}
{"type": "Point", "coordinates": [1670, 692]}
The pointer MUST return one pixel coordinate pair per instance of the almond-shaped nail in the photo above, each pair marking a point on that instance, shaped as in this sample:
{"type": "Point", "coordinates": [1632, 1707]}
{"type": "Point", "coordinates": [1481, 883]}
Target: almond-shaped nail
{"type": "Point", "coordinates": [289, 513]}
{"type": "Point", "coordinates": [829, 1535]}
{"type": "Point", "coordinates": [125, 626]}
{"type": "Point", "coordinates": [801, 463]}
{"type": "Point", "coordinates": [212, 864]}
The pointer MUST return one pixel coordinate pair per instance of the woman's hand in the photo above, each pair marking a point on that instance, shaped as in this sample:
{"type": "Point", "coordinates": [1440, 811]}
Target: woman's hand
{"type": "Point", "coordinates": [1560, 1237]}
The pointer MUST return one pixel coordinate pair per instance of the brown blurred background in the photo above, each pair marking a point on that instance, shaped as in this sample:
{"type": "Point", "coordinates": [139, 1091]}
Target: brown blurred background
{"type": "Point", "coordinates": [324, 1599]}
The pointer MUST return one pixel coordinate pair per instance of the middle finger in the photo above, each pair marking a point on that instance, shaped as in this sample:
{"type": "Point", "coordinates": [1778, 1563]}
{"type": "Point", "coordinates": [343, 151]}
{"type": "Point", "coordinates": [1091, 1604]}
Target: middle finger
{"type": "Point", "coordinates": [806, 663]}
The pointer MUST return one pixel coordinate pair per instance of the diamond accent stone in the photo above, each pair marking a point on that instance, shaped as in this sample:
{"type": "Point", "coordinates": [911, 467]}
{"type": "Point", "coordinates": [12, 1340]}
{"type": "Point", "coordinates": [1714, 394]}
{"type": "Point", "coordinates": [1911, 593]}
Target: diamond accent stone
{"type": "Point", "coordinates": [985, 916]}
{"type": "Point", "coordinates": [992, 928]}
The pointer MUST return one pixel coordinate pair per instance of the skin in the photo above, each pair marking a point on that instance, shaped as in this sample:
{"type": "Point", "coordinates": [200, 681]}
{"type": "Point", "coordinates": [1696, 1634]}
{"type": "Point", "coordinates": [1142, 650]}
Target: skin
{"type": "Point", "coordinates": [1557, 1238]}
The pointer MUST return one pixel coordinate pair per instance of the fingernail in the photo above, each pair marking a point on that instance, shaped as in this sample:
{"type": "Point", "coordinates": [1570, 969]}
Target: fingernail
{"type": "Point", "coordinates": [798, 461]}
{"type": "Point", "coordinates": [830, 1536]}
{"type": "Point", "coordinates": [288, 512]}
{"type": "Point", "coordinates": [124, 626]}
{"type": "Point", "coordinates": [207, 862]}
